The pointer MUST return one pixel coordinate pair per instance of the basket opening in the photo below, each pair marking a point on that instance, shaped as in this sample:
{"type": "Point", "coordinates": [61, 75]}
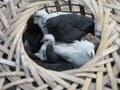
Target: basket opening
{"type": "Point", "coordinates": [33, 35]}
{"type": "Point", "coordinates": [31, 38]}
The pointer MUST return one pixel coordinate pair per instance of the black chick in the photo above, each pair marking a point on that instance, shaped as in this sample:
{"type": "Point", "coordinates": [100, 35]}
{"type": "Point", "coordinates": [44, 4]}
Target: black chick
{"type": "Point", "coordinates": [70, 27]}
{"type": "Point", "coordinates": [33, 34]}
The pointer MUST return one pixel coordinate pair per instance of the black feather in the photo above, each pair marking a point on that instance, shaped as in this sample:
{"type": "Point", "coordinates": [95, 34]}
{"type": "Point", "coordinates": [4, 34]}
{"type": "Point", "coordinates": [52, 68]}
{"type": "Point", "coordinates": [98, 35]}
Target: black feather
{"type": "Point", "coordinates": [70, 27]}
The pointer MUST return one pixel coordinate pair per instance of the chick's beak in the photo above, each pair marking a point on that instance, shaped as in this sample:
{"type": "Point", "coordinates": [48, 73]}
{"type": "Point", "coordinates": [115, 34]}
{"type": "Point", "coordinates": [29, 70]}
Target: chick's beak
{"type": "Point", "coordinates": [36, 14]}
{"type": "Point", "coordinates": [42, 40]}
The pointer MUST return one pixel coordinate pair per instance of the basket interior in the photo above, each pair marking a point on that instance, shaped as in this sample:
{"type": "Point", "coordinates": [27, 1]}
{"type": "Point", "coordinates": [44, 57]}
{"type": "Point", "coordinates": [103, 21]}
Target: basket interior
{"type": "Point", "coordinates": [33, 32]}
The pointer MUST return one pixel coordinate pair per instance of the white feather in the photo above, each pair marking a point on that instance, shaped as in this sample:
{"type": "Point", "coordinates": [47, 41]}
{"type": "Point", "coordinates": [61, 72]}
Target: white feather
{"type": "Point", "coordinates": [78, 53]}
{"type": "Point", "coordinates": [98, 28]}
{"type": "Point", "coordinates": [42, 52]}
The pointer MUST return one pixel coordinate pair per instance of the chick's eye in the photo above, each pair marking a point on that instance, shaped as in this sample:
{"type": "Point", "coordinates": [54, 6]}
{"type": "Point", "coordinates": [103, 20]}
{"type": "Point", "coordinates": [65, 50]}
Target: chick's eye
{"type": "Point", "coordinates": [46, 39]}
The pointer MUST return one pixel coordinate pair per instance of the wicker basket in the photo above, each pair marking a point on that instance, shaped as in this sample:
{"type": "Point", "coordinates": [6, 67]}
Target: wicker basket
{"type": "Point", "coordinates": [24, 73]}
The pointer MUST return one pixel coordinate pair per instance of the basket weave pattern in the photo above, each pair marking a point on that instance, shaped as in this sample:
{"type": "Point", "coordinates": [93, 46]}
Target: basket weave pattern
{"type": "Point", "coordinates": [13, 17]}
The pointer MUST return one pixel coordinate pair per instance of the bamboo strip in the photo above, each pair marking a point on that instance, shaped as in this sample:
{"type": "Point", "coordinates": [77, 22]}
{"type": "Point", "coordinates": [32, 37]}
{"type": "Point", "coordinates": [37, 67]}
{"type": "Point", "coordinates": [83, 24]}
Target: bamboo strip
{"type": "Point", "coordinates": [102, 62]}
{"type": "Point", "coordinates": [117, 80]}
{"type": "Point", "coordinates": [1, 26]}
{"type": "Point", "coordinates": [59, 80]}
{"type": "Point", "coordinates": [26, 13]}
{"type": "Point", "coordinates": [111, 49]}
{"type": "Point", "coordinates": [13, 34]}
{"type": "Point", "coordinates": [105, 34]}
{"type": "Point", "coordinates": [17, 23]}
{"type": "Point", "coordinates": [24, 4]}
{"type": "Point", "coordinates": [105, 30]}
{"type": "Point", "coordinates": [114, 17]}
{"type": "Point", "coordinates": [95, 7]}
{"type": "Point", "coordinates": [4, 20]}
{"type": "Point", "coordinates": [17, 55]}
{"type": "Point", "coordinates": [23, 86]}
{"type": "Point", "coordinates": [69, 77]}
{"type": "Point", "coordinates": [89, 75]}
{"type": "Point", "coordinates": [24, 61]}
{"type": "Point", "coordinates": [3, 37]}
{"type": "Point", "coordinates": [116, 59]}
{"type": "Point", "coordinates": [106, 23]}
{"type": "Point", "coordinates": [37, 3]}
{"type": "Point", "coordinates": [88, 3]}
{"type": "Point", "coordinates": [9, 30]}
{"type": "Point", "coordinates": [13, 46]}
{"type": "Point", "coordinates": [106, 88]}
{"type": "Point", "coordinates": [111, 6]}
{"type": "Point", "coordinates": [115, 2]}
{"type": "Point", "coordinates": [47, 78]}
{"type": "Point", "coordinates": [25, 66]}
{"type": "Point", "coordinates": [31, 6]}
{"type": "Point", "coordinates": [59, 87]}
{"type": "Point", "coordinates": [6, 12]}
{"type": "Point", "coordinates": [1, 33]}
{"type": "Point", "coordinates": [3, 49]}
{"type": "Point", "coordinates": [99, 80]}
{"type": "Point", "coordinates": [13, 8]}
{"type": "Point", "coordinates": [7, 62]}
{"type": "Point", "coordinates": [111, 39]}
{"type": "Point", "coordinates": [89, 69]}
{"type": "Point", "coordinates": [111, 76]}
{"type": "Point", "coordinates": [117, 41]}
{"type": "Point", "coordinates": [12, 73]}
{"type": "Point", "coordinates": [2, 80]}
{"type": "Point", "coordinates": [117, 28]}
{"type": "Point", "coordinates": [86, 85]}
{"type": "Point", "coordinates": [106, 77]}
{"type": "Point", "coordinates": [100, 12]}
{"type": "Point", "coordinates": [73, 86]}
{"type": "Point", "coordinates": [34, 73]}
{"type": "Point", "coordinates": [17, 82]}
{"type": "Point", "coordinates": [42, 87]}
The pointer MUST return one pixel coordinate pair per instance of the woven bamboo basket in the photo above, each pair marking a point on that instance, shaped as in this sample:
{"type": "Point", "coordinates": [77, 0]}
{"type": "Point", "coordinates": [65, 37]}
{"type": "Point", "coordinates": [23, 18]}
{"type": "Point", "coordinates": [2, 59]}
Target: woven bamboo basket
{"type": "Point", "coordinates": [97, 74]}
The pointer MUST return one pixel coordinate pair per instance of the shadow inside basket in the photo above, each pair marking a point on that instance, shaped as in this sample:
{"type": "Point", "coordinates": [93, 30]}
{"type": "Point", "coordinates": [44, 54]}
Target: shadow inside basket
{"type": "Point", "coordinates": [33, 35]}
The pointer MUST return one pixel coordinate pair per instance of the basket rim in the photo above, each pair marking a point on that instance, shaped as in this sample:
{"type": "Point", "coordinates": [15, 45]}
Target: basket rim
{"type": "Point", "coordinates": [56, 79]}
